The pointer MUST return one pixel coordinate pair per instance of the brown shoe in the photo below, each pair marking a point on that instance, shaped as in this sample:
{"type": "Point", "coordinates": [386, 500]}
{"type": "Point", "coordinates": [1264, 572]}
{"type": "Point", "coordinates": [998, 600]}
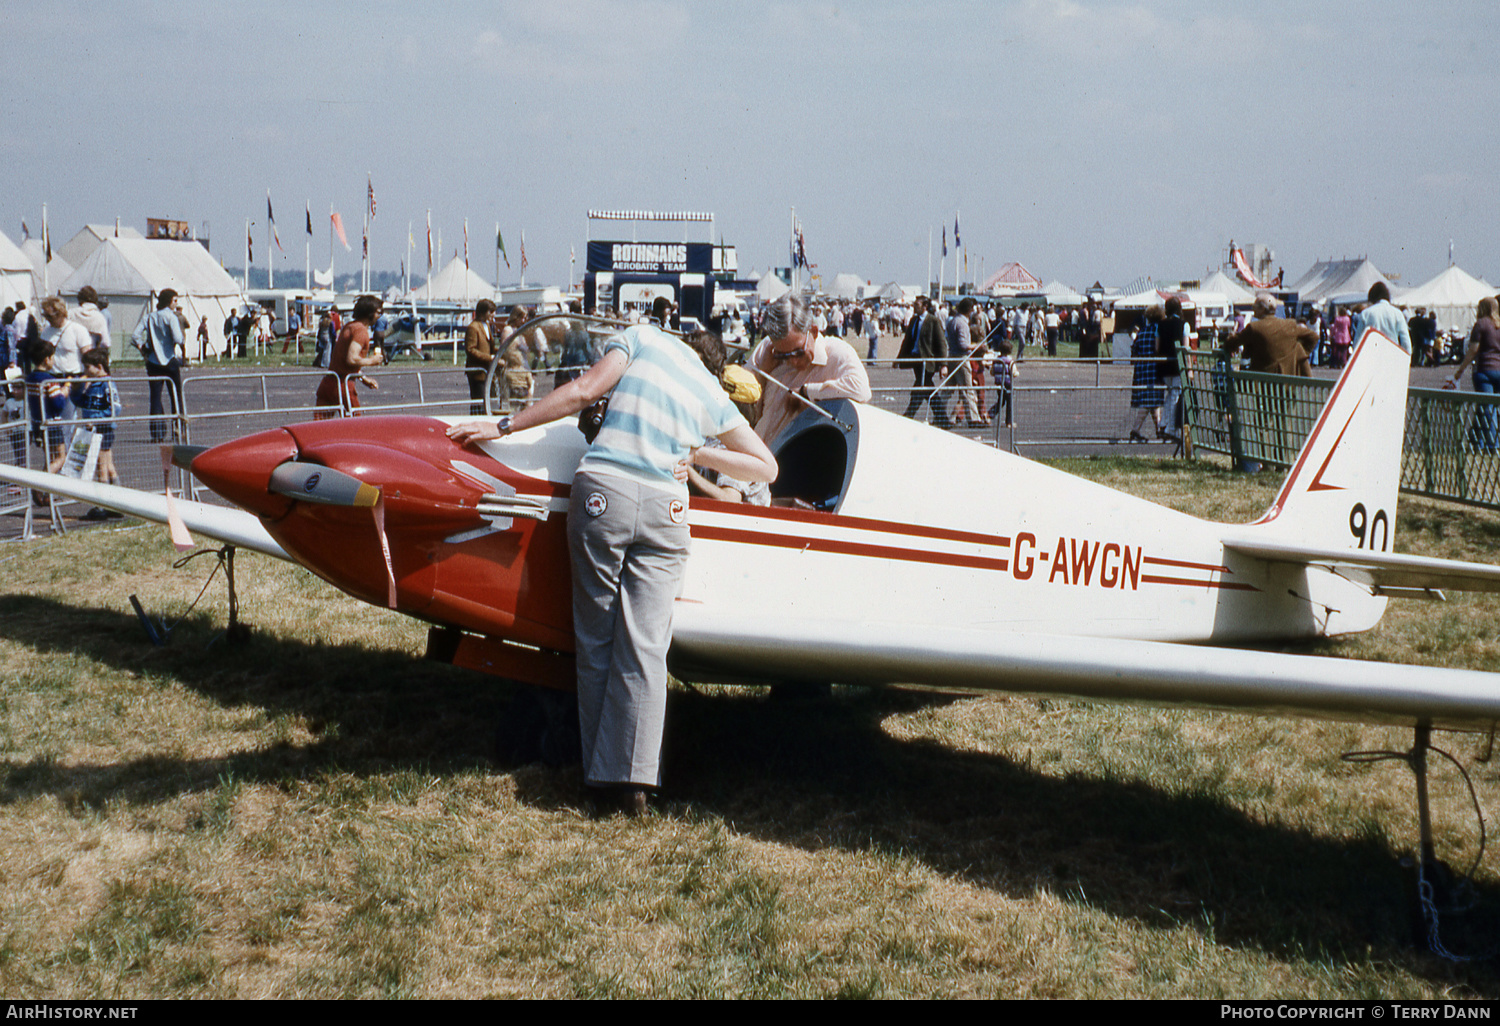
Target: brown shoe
{"type": "Point", "coordinates": [634, 802]}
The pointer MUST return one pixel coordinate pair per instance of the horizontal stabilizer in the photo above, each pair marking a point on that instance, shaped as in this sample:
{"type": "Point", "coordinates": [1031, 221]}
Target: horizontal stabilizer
{"type": "Point", "coordinates": [1385, 571]}
{"type": "Point", "coordinates": [1106, 669]}
{"type": "Point", "coordinates": [232, 526]}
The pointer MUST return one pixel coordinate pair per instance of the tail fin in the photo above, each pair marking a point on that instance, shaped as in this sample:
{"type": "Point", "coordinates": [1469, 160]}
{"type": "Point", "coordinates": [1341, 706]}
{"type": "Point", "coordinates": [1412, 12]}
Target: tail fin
{"type": "Point", "coordinates": [1341, 493]}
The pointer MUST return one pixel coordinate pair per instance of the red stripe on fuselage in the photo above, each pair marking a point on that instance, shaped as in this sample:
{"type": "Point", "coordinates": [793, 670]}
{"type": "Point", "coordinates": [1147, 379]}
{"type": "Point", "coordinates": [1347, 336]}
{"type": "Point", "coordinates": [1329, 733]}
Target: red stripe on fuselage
{"type": "Point", "coordinates": [782, 541]}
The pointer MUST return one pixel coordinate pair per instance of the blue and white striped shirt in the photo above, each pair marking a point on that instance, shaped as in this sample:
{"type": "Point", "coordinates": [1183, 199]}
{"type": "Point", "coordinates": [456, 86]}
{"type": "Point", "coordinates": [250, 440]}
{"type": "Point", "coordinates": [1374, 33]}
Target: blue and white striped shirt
{"type": "Point", "coordinates": [665, 405]}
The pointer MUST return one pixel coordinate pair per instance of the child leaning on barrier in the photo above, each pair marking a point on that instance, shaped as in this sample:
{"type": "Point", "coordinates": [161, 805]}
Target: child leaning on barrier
{"type": "Point", "coordinates": [98, 402]}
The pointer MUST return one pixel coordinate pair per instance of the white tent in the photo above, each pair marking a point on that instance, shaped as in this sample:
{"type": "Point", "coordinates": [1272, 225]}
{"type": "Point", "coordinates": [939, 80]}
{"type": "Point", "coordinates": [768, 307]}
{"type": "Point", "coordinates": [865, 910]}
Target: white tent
{"type": "Point", "coordinates": [89, 238]}
{"type": "Point", "coordinates": [847, 286]}
{"type": "Point", "coordinates": [1226, 286]}
{"type": "Point", "coordinates": [130, 272]}
{"type": "Point", "coordinates": [1148, 298]}
{"type": "Point", "coordinates": [1058, 294]}
{"type": "Point", "coordinates": [58, 270]}
{"type": "Point", "coordinates": [771, 288]}
{"type": "Point", "coordinates": [1452, 296]}
{"type": "Point", "coordinates": [15, 274]}
{"type": "Point", "coordinates": [454, 284]}
{"type": "Point", "coordinates": [1012, 278]}
{"type": "Point", "coordinates": [1329, 278]}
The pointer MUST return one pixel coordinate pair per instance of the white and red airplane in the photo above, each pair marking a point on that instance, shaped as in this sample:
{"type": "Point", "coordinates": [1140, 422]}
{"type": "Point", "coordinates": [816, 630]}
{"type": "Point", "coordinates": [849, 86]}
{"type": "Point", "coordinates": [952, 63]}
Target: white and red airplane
{"type": "Point", "coordinates": [912, 556]}
{"type": "Point", "coordinates": [924, 558]}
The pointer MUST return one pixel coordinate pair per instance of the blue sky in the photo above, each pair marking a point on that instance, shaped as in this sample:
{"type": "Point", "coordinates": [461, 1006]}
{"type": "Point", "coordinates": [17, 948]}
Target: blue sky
{"type": "Point", "coordinates": [1088, 140]}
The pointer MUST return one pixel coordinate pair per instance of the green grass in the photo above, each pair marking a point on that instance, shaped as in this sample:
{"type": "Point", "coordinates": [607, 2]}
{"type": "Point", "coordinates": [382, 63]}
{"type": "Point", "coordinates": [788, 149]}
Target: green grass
{"type": "Point", "coordinates": [315, 813]}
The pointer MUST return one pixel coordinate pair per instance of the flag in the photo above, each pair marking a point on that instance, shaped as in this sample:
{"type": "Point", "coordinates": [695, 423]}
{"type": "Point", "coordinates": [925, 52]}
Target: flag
{"type": "Point", "coordinates": [309, 217]}
{"type": "Point", "coordinates": [370, 190]}
{"type": "Point", "coordinates": [500, 245]}
{"type": "Point", "coordinates": [429, 242]}
{"type": "Point", "coordinates": [466, 243]}
{"type": "Point", "coordinates": [338, 229]}
{"type": "Point", "coordinates": [523, 251]}
{"type": "Point", "coordinates": [364, 246]}
{"type": "Point", "coordinates": [25, 231]}
{"type": "Point", "coordinates": [272, 218]}
{"type": "Point", "coordinates": [799, 247]}
{"type": "Point", "coordinates": [956, 243]}
{"type": "Point", "coordinates": [249, 248]}
{"type": "Point", "coordinates": [945, 240]}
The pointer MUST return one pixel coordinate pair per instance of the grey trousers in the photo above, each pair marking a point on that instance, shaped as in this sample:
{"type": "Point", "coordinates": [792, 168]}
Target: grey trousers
{"type": "Point", "coordinates": [628, 559]}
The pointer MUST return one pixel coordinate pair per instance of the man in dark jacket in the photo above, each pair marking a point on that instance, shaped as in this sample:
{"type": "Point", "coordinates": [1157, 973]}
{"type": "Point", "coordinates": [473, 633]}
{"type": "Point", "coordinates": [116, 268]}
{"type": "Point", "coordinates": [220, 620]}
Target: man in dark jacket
{"type": "Point", "coordinates": [927, 345]}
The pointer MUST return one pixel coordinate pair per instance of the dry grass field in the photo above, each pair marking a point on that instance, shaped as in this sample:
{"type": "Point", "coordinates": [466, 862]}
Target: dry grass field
{"type": "Point", "coordinates": [315, 812]}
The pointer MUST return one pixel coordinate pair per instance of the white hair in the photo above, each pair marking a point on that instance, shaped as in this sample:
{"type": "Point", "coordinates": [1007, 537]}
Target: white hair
{"type": "Point", "coordinates": [785, 315]}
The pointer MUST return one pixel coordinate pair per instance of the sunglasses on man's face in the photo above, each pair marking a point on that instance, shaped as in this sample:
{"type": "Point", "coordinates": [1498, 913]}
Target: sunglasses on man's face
{"type": "Point", "coordinates": [792, 355]}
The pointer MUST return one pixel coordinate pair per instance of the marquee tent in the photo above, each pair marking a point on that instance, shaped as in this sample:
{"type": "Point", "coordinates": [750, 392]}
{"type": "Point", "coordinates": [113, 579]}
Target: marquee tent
{"type": "Point", "coordinates": [771, 288]}
{"type": "Point", "coordinates": [1226, 286]}
{"type": "Point", "coordinates": [455, 283]}
{"type": "Point", "coordinates": [847, 286]}
{"type": "Point", "coordinates": [1058, 294]}
{"type": "Point", "coordinates": [1452, 296]}
{"type": "Point", "coordinates": [1148, 298]}
{"type": "Point", "coordinates": [1329, 278]}
{"type": "Point", "coordinates": [1010, 280]}
{"type": "Point", "coordinates": [130, 272]}
{"type": "Point", "coordinates": [58, 270]}
{"type": "Point", "coordinates": [15, 274]}
{"type": "Point", "coordinates": [81, 246]}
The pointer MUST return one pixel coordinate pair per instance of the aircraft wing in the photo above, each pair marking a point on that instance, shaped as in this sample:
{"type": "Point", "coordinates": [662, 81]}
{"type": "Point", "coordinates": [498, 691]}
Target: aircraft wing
{"type": "Point", "coordinates": [233, 526]}
{"type": "Point", "coordinates": [737, 648]}
{"type": "Point", "coordinates": [1384, 571]}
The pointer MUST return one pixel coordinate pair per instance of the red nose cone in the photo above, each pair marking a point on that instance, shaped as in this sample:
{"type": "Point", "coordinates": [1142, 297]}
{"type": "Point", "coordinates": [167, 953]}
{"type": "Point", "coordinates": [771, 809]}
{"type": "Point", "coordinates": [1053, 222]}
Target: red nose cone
{"type": "Point", "coordinates": [240, 471]}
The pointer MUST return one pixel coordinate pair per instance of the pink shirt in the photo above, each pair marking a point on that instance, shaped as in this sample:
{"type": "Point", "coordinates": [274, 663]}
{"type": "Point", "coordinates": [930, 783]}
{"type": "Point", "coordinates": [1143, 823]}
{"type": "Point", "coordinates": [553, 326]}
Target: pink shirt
{"type": "Point", "coordinates": [836, 372]}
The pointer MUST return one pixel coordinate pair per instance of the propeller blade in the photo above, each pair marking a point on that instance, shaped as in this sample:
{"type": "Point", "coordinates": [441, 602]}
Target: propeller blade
{"type": "Point", "coordinates": [311, 482]}
{"type": "Point", "coordinates": [182, 456]}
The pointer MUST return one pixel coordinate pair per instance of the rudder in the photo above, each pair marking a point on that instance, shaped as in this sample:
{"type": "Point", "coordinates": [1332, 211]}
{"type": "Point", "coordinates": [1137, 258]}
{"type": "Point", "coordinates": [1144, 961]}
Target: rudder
{"type": "Point", "coordinates": [1342, 489]}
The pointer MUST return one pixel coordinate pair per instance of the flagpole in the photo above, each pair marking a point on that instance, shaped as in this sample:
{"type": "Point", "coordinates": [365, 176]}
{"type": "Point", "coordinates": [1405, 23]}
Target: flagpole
{"type": "Point", "coordinates": [407, 283]}
{"type": "Point", "coordinates": [796, 276]}
{"type": "Point", "coordinates": [958, 278]}
{"type": "Point", "coordinates": [46, 255]}
{"type": "Point", "coordinates": [332, 285]}
{"type": "Point", "coordinates": [247, 258]}
{"type": "Point", "coordinates": [497, 256]}
{"type": "Point", "coordinates": [928, 283]}
{"type": "Point", "coordinates": [364, 253]}
{"type": "Point", "coordinates": [270, 272]}
{"type": "Point", "coordinates": [307, 249]}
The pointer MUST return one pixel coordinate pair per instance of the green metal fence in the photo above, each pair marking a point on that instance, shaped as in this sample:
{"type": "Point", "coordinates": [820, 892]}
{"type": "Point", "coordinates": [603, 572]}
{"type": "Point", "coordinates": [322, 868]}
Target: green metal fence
{"type": "Point", "coordinates": [1451, 449]}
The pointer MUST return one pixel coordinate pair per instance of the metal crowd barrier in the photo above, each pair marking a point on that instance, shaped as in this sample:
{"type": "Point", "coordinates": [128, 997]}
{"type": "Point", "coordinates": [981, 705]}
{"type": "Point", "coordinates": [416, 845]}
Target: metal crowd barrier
{"type": "Point", "coordinates": [1248, 416]}
{"type": "Point", "coordinates": [1451, 448]}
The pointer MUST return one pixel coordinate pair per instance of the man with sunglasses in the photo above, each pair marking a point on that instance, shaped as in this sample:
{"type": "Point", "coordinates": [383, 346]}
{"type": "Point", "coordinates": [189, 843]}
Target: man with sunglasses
{"type": "Point", "coordinates": [808, 365]}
